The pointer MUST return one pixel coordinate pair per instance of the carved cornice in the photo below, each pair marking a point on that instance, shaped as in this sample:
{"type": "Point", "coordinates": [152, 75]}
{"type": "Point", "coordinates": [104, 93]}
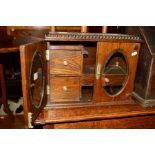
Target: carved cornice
{"type": "Point", "coordinates": [75, 36]}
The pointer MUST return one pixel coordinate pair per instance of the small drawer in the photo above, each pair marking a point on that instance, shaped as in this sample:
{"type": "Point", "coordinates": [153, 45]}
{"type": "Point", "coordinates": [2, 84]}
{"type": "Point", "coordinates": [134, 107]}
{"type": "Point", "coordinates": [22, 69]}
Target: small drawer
{"type": "Point", "coordinates": [65, 89]}
{"type": "Point", "coordinates": [66, 61]}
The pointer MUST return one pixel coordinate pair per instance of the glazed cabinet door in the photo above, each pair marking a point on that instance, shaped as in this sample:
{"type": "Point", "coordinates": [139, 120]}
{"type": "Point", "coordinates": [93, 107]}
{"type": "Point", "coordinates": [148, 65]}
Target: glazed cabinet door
{"type": "Point", "coordinates": [116, 65]}
{"type": "Point", "coordinates": [34, 80]}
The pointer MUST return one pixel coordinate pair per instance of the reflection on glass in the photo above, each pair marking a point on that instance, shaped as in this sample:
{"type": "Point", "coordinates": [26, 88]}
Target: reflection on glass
{"type": "Point", "coordinates": [36, 81]}
{"type": "Point", "coordinates": [115, 73]}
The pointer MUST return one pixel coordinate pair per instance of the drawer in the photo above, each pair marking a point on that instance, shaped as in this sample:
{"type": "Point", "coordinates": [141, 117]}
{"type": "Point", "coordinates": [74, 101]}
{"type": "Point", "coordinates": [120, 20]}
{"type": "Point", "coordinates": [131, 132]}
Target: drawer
{"type": "Point", "coordinates": [66, 62]}
{"type": "Point", "coordinates": [65, 89]}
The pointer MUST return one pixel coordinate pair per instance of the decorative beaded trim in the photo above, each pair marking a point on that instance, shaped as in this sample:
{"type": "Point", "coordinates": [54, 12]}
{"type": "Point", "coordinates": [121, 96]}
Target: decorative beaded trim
{"type": "Point", "coordinates": [89, 36]}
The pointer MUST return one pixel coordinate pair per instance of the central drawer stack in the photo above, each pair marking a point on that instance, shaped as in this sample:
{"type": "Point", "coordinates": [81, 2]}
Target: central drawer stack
{"type": "Point", "coordinates": [66, 64]}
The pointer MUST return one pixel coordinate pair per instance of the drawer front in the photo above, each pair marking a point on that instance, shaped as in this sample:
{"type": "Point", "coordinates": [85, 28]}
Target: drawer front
{"type": "Point", "coordinates": [66, 62]}
{"type": "Point", "coordinates": [65, 89]}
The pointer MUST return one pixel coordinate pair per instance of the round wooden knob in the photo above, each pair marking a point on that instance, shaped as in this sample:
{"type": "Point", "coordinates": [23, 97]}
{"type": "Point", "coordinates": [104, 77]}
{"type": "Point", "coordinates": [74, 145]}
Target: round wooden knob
{"type": "Point", "coordinates": [65, 63]}
{"type": "Point", "coordinates": [65, 88]}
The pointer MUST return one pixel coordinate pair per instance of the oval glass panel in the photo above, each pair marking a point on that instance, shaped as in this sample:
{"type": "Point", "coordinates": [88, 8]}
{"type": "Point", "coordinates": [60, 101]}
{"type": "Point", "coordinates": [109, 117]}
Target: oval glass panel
{"type": "Point", "coordinates": [36, 80]}
{"type": "Point", "coordinates": [115, 73]}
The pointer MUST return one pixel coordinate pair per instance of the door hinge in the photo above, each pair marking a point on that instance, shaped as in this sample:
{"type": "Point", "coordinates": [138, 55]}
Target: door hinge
{"type": "Point", "coordinates": [47, 55]}
{"type": "Point", "coordinates": [48, 89]}
{"type": "Point", "coordinates": [98, 71]}
{"type": "Point", "coordinates": [30, 120]}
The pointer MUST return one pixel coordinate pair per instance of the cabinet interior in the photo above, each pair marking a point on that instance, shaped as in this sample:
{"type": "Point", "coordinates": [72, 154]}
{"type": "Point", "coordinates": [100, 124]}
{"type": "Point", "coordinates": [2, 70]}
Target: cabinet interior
{"type": "Point", "coordinates": [88, 71]}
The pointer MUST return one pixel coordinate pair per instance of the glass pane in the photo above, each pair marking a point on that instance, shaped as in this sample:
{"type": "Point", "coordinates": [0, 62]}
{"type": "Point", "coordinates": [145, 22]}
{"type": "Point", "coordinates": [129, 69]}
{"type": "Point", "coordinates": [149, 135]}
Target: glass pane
{"type": "Point", "coordinates": [115, 73]}
{"type": "Point", "coordinates": [36, 82]}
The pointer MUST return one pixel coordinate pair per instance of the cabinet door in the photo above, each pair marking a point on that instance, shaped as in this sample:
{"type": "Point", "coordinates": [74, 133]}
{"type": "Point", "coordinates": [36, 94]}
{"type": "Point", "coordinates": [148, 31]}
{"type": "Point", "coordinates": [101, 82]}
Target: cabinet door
{"type": "Point", "coordinates": [115, 71]}
{"type": "Point", "coordinates": [34, 80]}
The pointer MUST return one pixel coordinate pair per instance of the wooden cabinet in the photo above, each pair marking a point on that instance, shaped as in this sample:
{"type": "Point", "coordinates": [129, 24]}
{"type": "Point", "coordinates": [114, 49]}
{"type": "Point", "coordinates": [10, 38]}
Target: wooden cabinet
{"type": "Point", "coordinates": [77, 70]}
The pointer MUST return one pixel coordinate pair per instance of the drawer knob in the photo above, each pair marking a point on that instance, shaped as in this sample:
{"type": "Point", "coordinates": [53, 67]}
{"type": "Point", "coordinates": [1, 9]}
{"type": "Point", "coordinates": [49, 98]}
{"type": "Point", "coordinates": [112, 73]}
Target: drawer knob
{"type": "Point", "coordinates": [65, 63]}
{"type": "Point", "coordinates": [106, 80]}
{"type": "Point", "coordinates": [65, 88]}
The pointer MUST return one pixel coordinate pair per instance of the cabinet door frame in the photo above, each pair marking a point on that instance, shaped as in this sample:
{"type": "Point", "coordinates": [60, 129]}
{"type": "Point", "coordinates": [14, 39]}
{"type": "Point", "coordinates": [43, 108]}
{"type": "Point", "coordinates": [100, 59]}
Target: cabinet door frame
{"type": "Point", "coordinates": [27, 52]}
{"type": "Point", "coordinates": [104, 50]}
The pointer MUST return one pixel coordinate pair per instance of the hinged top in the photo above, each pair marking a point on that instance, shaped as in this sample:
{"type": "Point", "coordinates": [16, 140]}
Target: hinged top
{"type": "Point", "coordinates": [75, 36]}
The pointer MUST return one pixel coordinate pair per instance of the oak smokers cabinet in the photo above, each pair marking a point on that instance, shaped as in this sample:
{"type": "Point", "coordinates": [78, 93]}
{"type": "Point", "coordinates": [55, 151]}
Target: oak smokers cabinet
{"type": "Point", "coordinates": [74, 70]}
